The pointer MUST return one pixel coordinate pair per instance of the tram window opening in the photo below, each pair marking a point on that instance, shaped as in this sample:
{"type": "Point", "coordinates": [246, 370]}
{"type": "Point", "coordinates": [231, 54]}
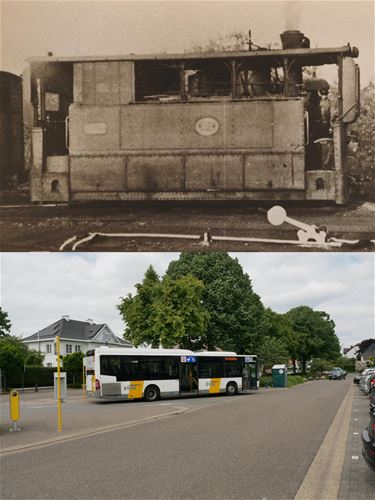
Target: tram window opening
{"type": "Point", "coordinates": [181, 80]}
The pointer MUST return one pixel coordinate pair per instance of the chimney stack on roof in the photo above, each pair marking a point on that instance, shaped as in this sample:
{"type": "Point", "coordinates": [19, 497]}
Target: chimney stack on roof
{"type": "Point", "coordinates": [66, 316]}
{"type": "Point", "coordinates": [90, 320]}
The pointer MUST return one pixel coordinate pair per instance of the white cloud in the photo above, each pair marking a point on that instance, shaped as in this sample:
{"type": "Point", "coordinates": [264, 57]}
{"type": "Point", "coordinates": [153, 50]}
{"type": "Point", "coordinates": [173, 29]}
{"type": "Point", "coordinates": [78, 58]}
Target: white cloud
{"type": "Point", "coordinates": [37, 288]}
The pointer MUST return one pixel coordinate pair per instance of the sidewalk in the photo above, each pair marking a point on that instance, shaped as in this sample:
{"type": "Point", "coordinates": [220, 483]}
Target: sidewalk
{"type": "Point", "coordinates": [80, 417]}
{"type": "Point", "coordinates": [357, 480]}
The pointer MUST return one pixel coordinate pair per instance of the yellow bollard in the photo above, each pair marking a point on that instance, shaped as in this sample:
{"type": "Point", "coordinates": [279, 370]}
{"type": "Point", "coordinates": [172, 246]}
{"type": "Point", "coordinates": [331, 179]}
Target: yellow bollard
{"type": "Point", "coordinates": [83, 379]}
{"type": "Point", "coordinates": [14, 405]}
{"type": "Point", "coordinates": [59, 417]}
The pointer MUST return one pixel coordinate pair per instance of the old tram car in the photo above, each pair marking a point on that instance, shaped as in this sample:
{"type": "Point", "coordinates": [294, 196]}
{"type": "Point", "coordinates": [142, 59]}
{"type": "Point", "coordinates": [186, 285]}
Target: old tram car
{"type": "Point", "coordinates": [203, 126]}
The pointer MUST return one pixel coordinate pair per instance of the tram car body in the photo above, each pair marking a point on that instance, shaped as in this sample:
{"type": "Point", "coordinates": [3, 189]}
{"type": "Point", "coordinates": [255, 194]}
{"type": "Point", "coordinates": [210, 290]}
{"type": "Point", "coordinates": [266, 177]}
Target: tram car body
{"type": "Point", "coordinates": [202, 126]}
{"type": "Point", "coordinates": [11, 130]}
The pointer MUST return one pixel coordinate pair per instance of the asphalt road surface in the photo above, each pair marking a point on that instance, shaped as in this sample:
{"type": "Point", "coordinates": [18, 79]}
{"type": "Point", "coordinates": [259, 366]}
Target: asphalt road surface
{"type": "Point", "coordinates": [26, 227]}
{"type": "Point", "coordinates": [257, 446]}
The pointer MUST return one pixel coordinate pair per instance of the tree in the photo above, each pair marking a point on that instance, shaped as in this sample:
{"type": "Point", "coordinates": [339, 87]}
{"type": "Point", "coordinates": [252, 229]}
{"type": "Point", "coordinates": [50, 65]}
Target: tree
{"type": "Point", "coordinates": [13, 353]}
{"type": "Point", "coordinates": [179, 315]}
{"type": "Point", "coordinates": [73, 363]}
{"type": "Point", "coordinates": [235, 311]}
{"type": "Point", "coordinates": [314, 334]}
{"type": "Point", "coordinates": [167, 312]}
{"type": "Point", "coordinates": [361, 169]}
{"type": "Point", "coordinates": [35, 358]}
{"type": "Point", "coordinates": [273, 351]}
{"type": "Point", "coordinates": [138, 311]}
{"type": "Point", "coordinates": [5, 324]}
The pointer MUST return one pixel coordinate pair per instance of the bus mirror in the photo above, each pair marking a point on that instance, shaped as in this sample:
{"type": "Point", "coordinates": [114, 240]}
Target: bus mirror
{"type": "Point", "coordinates": [350, 90]}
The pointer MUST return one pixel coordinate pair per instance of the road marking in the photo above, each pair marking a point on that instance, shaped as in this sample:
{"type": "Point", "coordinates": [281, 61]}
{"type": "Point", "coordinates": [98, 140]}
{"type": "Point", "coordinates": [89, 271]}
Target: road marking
{"type": "Point", "coordinates": [355, 419]}
{"type": "Point", "coordinates": [356, 433]}
{"type": "Point", "coordinates": [355, 457]}
{"type": "Point", "coordinates": [42, 406]}
{"type": "Point", "coordinates": [322, 481]}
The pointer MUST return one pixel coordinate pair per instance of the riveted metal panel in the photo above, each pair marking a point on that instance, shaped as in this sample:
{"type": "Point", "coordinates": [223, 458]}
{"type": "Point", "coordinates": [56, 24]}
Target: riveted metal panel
{"type": "Point", "coordinates": [81, 116]}
{"type": "Point", "coordinates": [274, 171]}
{"type": "Point", "coordinates": [155, 173]}
{"type": "Point", "coordinates": [126, 76]}
{"type": "Point", "coordinates": [249, 124]}
{"type": "Point", "coordinates": [88, 83]}
{"type": "Point", "coordinates": [288, 124]}
{"type": "Point", "coordinates": [151, 127]}
{"type": "Point", "coordinates": [97, 174]}
{"type": "Point", "coordinates": [198, 119]}
{"type": "Point", "coordinates": [214, 172]}
{"type": "Point", "coordinates": [107, 80]}
{"type": "Point", "coordinates": [78, 83]}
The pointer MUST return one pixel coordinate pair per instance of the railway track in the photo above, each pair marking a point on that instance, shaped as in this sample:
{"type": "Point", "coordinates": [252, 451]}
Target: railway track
{"type": "Point", "coordinates": [156, 226]}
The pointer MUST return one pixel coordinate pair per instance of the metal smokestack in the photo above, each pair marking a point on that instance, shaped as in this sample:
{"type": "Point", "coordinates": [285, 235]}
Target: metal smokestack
{"type": "Point", "coordinates": [293, 39]}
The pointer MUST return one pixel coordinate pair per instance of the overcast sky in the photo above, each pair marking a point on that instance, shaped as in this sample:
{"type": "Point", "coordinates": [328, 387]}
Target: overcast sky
{"type": "Point", "coordinates": [38, 288]}
{"type": "Point", "coordinates": [67, 28]}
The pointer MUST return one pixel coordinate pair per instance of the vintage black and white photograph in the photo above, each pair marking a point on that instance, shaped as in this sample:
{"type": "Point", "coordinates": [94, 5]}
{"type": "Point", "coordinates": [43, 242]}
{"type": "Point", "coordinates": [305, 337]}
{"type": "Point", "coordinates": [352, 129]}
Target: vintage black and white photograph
{"type": "Point", "coordinates": [187, 250]}
{"type": "Point", "coordinates": [174, 125]}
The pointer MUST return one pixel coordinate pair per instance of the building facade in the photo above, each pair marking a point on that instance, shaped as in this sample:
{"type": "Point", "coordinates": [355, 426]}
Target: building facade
{"type": "Point", "coordinates": [75, 336]}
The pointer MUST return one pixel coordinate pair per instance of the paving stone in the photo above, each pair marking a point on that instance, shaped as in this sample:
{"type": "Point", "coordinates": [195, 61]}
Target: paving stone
{"type": "Point", "coordinates": [357, 480]}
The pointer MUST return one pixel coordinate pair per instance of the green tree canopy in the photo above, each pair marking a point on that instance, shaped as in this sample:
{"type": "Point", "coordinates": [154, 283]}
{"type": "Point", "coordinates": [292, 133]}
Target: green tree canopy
{"type": "Point", "coordinates": [167, 312]}
{"type": "Point", "coordinates": [35, 358]}
{"type": "Point", "coordinates": [5, 324]}
{"type": "Point", "coordinates": [138, 311]}
{"type": "Point", "coordinates": [273, 351]}
{"type": "Point", "coordinates": [13, 353]}
{"type": "Point", "coordinates": [73, 362]}
{"type": "Point", "coordinates": [314, 333]}
{"type": "Point", "coordinates": [235, 311]}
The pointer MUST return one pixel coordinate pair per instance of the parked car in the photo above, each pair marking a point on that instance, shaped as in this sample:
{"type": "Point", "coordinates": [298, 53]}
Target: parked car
{"type": "Point", "coordinates": [372, 399]}
{"type": "Point", "coordinates": [337, 374]}
{"type": "Point", "coordinates": [368, 442]}
{"type": "Point", "coordinates": [366, 382]}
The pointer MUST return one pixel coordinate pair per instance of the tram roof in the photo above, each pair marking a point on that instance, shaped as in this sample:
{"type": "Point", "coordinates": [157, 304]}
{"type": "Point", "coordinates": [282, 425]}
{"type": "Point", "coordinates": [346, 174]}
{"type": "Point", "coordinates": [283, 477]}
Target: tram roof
{"type": "Point", "coordinates": [307, 57]}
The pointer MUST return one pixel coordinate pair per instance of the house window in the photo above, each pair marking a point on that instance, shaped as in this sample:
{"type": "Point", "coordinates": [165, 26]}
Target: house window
{"type": "Point", "coordinates": [68, 348]}
{"type": "Point", "coordinates": [54, 349]}
{"type": "Point", "coordinates": [49, 349]}
{"type": "Point", "coordinates": [78, 348]}
{"type": "Point", "coordinates": [49, 365]}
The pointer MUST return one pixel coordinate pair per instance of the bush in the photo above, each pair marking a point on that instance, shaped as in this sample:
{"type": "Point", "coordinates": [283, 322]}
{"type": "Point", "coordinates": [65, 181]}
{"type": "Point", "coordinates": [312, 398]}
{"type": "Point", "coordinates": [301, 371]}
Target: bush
{"type": "Point", "coordinates": [41, 376]}
{"type": "Point", "coordinates": [265, 381]}
{"type": "Point", "coordinates": [346, 364]}
{"type": "Point", "coordinates": [295, 380]}
{"type": "Point", "coordinates": [319, 365]}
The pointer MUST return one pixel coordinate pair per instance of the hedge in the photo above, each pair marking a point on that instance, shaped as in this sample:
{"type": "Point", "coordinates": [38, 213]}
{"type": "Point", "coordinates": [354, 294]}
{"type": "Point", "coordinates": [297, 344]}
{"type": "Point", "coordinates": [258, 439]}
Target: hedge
{"type": "Point", "coordinates": [36, 375]}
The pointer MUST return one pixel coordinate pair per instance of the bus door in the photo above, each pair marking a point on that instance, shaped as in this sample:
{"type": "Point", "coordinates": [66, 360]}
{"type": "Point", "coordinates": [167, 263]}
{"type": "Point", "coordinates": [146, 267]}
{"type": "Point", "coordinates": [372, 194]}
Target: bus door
{"type": "Point", "coordinates": [249, 376]}
{"type": "Point", "coordinates": [188, 375]}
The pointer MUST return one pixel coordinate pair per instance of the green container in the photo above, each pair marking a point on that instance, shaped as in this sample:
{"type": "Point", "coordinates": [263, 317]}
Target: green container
{"type": "Point", "coordinates": [280, 376]}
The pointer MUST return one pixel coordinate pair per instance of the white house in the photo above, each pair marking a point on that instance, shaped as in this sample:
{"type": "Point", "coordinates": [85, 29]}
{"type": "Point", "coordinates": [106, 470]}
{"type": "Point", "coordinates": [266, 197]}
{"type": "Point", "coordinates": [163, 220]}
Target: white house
{"type": "Point", "coordinates": [75, 336]}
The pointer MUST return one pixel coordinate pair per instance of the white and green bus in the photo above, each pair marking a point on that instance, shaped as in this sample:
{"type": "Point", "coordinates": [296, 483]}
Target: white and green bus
{"type": "Point", "coordinates": [129, 373]}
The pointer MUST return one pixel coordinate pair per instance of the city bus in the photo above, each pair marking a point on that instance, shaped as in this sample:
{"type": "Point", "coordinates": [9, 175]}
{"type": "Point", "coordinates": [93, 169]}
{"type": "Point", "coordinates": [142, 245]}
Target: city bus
{"type": "Point", "coordinates": [131, 373]}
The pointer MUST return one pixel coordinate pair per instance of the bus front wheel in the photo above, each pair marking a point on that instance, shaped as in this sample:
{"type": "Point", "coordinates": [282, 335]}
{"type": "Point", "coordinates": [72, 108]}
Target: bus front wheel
{"type": "Point", "coordinates": [151, 393]}
{"type": "Point", "coordinates": [232, 389]}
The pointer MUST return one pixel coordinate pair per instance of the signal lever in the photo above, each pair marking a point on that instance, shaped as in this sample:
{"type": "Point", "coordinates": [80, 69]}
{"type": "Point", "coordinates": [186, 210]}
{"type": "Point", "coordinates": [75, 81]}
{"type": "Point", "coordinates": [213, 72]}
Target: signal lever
{"type": "Point", "coordinates": [307, 233]}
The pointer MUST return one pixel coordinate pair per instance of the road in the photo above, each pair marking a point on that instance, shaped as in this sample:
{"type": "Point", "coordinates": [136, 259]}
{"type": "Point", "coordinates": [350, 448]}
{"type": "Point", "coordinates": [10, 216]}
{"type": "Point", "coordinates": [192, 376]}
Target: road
{"type": "Point", "coordinates": [26, 227]}
{"type": "Point", "coordinates": [257, 446]}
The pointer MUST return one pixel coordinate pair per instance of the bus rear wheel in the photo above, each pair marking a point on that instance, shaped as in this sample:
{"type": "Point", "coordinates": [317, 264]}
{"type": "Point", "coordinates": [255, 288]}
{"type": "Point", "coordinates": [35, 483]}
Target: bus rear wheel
{"type": "Point", "coordinates": [151, 393]}
{"type": "Point", "coordinates": [232, 389]}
